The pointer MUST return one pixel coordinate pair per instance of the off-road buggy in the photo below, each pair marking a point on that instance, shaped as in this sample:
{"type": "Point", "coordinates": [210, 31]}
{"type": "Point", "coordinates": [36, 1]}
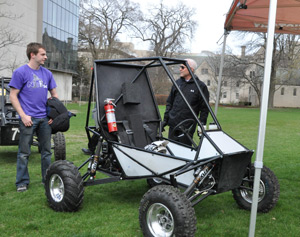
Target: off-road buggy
{"type": "Point", "coordinates": [134, 147]}
{"type": "Point", "coordinates": [9, 125]}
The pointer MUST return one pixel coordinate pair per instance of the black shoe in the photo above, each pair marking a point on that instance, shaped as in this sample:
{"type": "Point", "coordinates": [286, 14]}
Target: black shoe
{"type": "Point", "coordinates": [87, 151]}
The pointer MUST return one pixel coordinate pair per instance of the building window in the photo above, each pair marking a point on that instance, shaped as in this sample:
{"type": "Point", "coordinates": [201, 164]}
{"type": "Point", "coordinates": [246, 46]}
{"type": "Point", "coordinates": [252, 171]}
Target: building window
{"type": "Point", "coordinates": [252, 74]}
{"type": "Point", "coordinates": [204, 71]}
{"type": "Point", "coordinates": [224, 83]}
{"type": "Point", "coordinates": [237, 84]}
{"type": "Point", "coordinates": [294, 92]}
{"type": "Point", "coordinates": [282, 91]}
{"type": "Point", "coordinates": [60, 33]}
{"type": "Point", "coordinates": [237, 95]}
{"type": "Point", "coordinates": [208, 82]}
{"type": "Point", "coordinates": [224, 94]}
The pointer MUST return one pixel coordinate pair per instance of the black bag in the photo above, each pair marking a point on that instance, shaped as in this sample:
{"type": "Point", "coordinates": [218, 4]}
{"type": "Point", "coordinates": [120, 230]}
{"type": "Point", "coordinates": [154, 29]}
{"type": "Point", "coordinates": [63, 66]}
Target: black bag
{"type": "Point", "coordinates": [60, 115]}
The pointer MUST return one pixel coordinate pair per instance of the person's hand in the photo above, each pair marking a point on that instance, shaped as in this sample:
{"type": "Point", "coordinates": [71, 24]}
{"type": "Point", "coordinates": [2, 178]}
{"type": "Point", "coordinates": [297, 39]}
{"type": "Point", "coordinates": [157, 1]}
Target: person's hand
{"type": "Point", "coordinates": [50, 121]}
{"type": "Point", "coordinates": [26, 119]}
{"type": "Point", "coordinates": [164, 123]}
{"type": "Point", "coordinates": [199, 130]}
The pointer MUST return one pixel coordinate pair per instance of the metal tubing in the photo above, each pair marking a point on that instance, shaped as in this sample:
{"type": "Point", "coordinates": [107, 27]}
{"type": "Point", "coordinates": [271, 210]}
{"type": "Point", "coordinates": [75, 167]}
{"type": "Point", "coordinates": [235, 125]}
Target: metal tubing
{"type": "Point", "coordinates": [220, 73]}
{"type": "Point", "coordinates": [89, 107]}
{"type": "Point", "coordinates": [209, 192]}
{"type": "Point", "coordinates": [263, 114]}
{"type": "Point", "coordinates": [84, 163]}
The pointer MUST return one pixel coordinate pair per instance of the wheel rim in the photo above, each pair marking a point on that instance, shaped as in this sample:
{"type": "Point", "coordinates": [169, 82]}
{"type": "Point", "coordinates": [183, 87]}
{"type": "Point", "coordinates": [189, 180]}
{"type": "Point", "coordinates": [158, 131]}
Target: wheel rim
{"type": "Point", "coordinates": [57, 188]}
{"type": "Point", "coordinates": [157, 180]}
{"type": "Point", "coordinates": [160, 220]}
{"type": "Point", "coordinates": [247, 193]}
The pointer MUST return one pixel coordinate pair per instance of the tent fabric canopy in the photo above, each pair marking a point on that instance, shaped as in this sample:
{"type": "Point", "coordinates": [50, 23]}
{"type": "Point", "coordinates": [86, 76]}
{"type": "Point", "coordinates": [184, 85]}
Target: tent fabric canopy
{"type": "Point", "coordinates": [252, 15]}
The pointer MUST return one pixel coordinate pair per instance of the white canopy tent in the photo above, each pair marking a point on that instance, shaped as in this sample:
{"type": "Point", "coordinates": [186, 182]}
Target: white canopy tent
{"type": "Point", "coordinates": [280, 16]}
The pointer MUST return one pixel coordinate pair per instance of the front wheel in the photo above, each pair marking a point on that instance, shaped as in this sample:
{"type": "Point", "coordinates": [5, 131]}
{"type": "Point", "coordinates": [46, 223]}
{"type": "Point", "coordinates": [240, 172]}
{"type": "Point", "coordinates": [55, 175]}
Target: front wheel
{"type": "Point", "coordinates": [64, 186]}
{"type": "Point", "coordinates": [165, 211]}
{"type": "Point", "coordinates": [268, 190]}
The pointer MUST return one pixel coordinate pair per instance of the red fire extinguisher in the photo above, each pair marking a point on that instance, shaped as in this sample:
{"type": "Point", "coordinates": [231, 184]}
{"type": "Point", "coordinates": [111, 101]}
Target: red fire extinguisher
{"type": "Point", "coordinates": [109, 108]}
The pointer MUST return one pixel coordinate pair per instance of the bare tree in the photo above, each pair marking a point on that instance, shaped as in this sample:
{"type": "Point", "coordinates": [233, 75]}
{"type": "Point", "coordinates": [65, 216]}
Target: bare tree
{"type": "Point", "coordinates": [100, 23]}
{"type": "Point", "coordinates": [250, 71]}
{"type": "Point", "coordinates": [167, 29]}
{"type": "Point", "coordinates": [285, 61]}
{"type": "Point", "coordinates": [213, 63]}
{"type": "Point", "coordinates": [90, 34]}
{"type": "Point", "coordinates": [8, 36]}
{"type": "Point", "coordinates": [81, 80]}
{"type": "Point", "coordinates": [233, 77]}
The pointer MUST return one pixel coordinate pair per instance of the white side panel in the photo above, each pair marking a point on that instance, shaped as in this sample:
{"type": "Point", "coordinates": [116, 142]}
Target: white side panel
{"type": "Point", "coordinates": [186, 178]}
{"type": "Point", "coordinates": [181, 151]}
{"type": "Point", "coordinates": [130, 167]}
{"type": "Point", "coordinates": [225, 143]}
{"type": "Point", "coordinates": [207, 150]}
{"type": "Point", "coordinates": [155, 162]}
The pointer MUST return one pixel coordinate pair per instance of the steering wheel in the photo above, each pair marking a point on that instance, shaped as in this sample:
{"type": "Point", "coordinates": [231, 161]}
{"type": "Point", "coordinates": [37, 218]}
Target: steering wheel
{"type": "Point", "coordinates": [185, 130]}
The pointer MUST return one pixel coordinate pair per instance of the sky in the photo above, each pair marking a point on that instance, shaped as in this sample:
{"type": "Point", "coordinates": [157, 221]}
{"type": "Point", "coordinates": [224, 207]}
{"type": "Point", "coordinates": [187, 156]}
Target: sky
{"type": "Point", "coordinates": [210, 16]}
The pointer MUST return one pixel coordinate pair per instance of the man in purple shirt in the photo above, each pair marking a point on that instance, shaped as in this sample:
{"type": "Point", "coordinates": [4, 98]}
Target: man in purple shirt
{"type": "Point", "coordinates": [29, 85]}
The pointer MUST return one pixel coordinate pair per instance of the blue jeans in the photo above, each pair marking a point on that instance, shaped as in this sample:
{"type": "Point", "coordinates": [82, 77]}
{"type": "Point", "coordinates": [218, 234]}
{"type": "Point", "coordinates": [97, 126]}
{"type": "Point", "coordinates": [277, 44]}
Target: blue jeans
{"type": "Point", "coordinates": [43, 132]}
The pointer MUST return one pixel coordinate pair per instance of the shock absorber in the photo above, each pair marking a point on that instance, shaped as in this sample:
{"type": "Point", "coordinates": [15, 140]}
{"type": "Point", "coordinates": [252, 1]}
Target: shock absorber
{"type": "Point", "coordinates": [94, 167]}
{"type": "Point", "coordinates": [200, 175]}
{"type": "Point", "coordinates": [95, 160]}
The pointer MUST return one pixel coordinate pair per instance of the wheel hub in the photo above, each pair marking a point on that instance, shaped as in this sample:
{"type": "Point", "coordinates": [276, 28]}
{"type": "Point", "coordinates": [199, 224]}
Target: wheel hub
{"type": "Point", "coordinates": [57, 188]}
{"type": "Point", "coordinates": [160, 220]}
{"type": "Point", "coordinates": [247, 194]}
{"type": "Point", "coordinates": [157, 180]}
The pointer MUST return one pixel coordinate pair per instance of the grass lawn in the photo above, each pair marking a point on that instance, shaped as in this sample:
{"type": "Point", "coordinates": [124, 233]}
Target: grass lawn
{"type": "Point", "coordinates": [112, 209]}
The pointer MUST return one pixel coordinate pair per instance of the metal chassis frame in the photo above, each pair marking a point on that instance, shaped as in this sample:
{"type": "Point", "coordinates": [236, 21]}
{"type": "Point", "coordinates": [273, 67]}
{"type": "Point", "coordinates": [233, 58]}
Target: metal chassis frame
{"type": "Point", "coordinates": [13, 121]}
{"type": "Point", "coordinates": [8, 125]}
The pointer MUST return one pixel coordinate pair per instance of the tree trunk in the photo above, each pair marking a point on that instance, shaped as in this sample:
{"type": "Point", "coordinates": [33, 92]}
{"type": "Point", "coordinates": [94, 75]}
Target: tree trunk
{"type": "Point", "coordinates": [274, 68]}
{"type": "Point", "coordinates": [271, 95]}
{"type": "Point", "coordinates": [272, 84]}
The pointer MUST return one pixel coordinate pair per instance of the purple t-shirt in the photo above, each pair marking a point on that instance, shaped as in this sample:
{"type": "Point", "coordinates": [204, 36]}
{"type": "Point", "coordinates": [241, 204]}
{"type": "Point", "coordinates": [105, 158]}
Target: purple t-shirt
{"type": "Point", "coordinates": [33, 86]}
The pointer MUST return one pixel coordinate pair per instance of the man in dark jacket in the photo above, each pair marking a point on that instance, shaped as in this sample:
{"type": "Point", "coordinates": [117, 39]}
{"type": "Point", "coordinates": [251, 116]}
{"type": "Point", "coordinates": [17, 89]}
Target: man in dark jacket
{"type": "Point", "coordinates": [176, 108]}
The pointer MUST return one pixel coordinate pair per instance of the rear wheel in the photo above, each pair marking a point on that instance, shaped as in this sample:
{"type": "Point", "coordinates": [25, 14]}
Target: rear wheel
{"type": "Point", "coordinates": [64, 186]}
{"type": "Point", "coordinates": [165, 211]}
{"type": "Point", "coordinates": [59, 146]}
{"type": "Point", "coordinates": [268, 190]}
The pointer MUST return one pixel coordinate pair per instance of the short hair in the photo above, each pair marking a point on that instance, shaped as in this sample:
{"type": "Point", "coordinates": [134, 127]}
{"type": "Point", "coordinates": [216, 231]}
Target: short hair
{"type": "Point", "coordinates": [192, 63]}
{"type": "Point", "coordinates": [33, 48]}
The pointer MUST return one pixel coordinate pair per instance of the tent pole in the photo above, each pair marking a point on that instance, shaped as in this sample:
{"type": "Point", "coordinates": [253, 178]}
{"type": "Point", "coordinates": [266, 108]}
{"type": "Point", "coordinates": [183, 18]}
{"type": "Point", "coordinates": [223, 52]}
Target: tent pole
{"type": "Point", "coordinates": [258, 164]}
{"type": "Point", "coordinates": [220, 73]}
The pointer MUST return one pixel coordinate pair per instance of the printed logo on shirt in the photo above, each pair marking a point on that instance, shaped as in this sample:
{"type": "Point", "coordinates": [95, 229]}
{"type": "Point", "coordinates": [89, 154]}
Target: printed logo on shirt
{"type": "Point", "coordinates": [36, 82]}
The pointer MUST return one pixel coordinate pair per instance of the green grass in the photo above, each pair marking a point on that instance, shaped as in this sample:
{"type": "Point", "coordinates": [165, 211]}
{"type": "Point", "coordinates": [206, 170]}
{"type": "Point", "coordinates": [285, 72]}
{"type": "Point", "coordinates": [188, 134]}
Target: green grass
{"type": "Point", "coordinates": [112, 209]}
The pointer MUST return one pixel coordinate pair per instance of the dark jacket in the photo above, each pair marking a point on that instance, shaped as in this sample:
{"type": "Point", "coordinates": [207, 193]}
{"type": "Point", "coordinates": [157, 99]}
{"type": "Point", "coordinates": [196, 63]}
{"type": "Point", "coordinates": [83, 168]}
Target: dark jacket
{"type": "Point", "coordinates": [176, 108]}
{"type": "Point", "coordinates": [60, 115]}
